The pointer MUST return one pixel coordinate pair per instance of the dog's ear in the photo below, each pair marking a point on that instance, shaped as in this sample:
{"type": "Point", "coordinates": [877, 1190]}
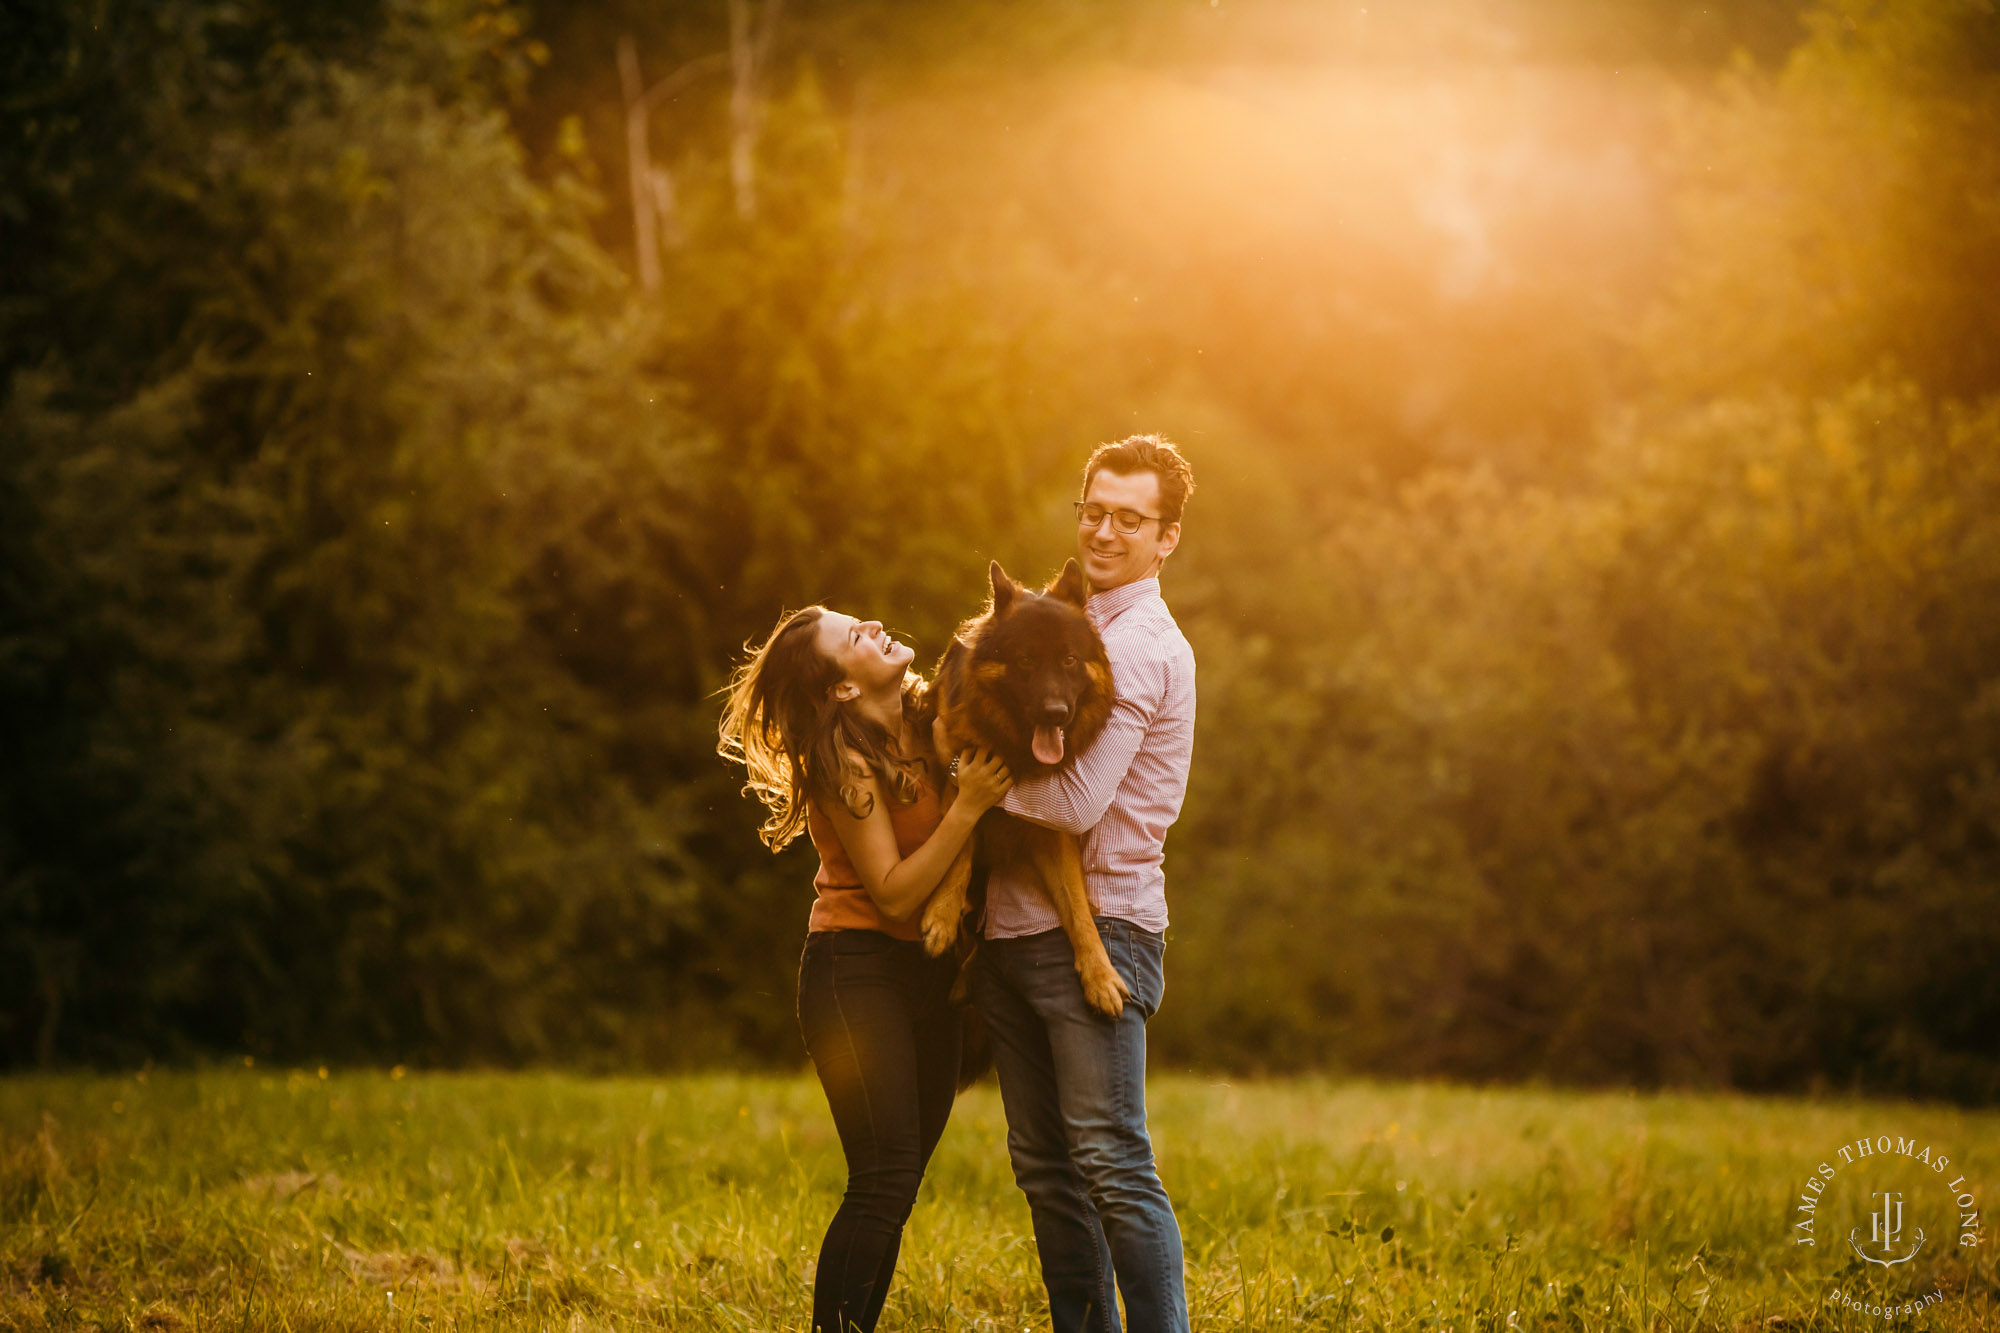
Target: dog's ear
{"type": "Point", "coordinates": [1004, 588]}
{"type": "Point", "coordinates": [1068, 585]}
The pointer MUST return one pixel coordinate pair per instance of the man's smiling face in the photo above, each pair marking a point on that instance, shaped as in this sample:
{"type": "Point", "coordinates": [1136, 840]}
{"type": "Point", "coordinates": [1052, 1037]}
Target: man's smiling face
{"type": "Point", "coordinates": [1110, 558]}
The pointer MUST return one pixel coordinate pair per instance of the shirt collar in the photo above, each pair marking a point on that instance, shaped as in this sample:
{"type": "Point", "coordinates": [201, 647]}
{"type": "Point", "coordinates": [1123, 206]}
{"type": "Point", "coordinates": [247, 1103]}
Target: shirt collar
{"type": "Point", "coordinates": [1105, 607]}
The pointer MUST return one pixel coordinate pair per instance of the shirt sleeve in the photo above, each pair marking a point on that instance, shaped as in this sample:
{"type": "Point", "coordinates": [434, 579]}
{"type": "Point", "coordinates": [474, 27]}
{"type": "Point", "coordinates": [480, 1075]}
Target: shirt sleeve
{"type": "Point", "coordinates": [1074, 799]}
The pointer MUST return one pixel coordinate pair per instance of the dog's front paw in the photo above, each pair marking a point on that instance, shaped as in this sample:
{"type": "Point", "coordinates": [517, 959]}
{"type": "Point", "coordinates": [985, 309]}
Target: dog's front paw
{"type": "Point", "coordinates": [940, 927]}
{"type": "Point", "coordinates": [1104, 988]}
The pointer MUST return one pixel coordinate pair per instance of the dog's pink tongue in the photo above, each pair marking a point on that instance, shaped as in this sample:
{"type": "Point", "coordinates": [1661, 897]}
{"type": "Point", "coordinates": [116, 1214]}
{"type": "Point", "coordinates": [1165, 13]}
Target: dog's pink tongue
{"type": "Point", "coordinates": [1048, 745]}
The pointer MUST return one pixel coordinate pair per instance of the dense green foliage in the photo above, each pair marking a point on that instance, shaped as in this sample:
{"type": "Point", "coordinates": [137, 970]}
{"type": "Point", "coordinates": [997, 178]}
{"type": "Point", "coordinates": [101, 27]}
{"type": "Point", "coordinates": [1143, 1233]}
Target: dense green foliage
{"type": "Point", "coordinates": [1593, 602]}
{"type": "Point", "coordinates": [253, 1200]}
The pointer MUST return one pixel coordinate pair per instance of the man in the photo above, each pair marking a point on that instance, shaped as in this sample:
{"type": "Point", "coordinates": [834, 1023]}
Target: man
{"type": "Point", "coordinates": [1073, 1081]}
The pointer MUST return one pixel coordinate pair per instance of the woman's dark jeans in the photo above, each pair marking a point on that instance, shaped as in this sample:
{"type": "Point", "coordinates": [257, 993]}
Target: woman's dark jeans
{"type": "Point", "coordinates": [877, 1019]}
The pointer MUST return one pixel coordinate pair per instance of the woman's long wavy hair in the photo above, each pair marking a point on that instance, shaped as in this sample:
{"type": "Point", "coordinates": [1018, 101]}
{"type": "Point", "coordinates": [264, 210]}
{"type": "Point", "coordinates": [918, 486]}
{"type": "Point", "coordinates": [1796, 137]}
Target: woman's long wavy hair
{"type": "Point", "coordinates": [782, 723]}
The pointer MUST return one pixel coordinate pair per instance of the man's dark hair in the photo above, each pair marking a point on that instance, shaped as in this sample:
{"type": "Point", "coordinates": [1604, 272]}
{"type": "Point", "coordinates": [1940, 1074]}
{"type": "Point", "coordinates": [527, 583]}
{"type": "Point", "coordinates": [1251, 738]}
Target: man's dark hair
{"type": "Point", "coordinates": [1147, 453]}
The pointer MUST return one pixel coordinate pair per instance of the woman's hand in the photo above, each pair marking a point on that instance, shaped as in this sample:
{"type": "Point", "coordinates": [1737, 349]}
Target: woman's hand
{"type": "Point", "coordinates": [982, 780]}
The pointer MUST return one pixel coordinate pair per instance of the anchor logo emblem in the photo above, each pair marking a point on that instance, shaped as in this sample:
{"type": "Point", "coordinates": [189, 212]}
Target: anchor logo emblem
{"type": "Point", "coordinates": [1885, 1228]}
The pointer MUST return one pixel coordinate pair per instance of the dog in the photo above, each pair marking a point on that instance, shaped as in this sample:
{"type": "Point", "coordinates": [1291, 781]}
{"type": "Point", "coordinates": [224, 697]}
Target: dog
{"type": "Point", "coordinates": [1027, 679]}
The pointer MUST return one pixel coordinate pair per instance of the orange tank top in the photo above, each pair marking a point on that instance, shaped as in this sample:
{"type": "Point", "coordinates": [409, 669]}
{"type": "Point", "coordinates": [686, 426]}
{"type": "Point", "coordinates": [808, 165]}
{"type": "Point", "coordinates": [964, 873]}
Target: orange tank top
{"type": "Point", "coordinates": [843, 904]}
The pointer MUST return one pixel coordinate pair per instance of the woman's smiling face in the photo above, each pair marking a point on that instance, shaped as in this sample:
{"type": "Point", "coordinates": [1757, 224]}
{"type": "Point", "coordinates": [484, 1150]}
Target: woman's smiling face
{"type": "Point", "coordinates": [865, 653]}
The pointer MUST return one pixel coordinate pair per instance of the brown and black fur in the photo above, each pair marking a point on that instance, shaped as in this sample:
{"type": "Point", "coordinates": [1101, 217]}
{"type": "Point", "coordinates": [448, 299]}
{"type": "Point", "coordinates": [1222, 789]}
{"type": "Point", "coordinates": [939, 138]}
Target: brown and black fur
{"type": "Point", "coordinates": [1031, 659]}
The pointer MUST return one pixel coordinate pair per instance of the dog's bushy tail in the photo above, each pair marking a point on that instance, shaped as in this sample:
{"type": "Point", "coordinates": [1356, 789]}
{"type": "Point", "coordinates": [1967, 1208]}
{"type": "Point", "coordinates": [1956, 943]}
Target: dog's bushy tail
{"type": "Point", "coordinates": [975, 1049]}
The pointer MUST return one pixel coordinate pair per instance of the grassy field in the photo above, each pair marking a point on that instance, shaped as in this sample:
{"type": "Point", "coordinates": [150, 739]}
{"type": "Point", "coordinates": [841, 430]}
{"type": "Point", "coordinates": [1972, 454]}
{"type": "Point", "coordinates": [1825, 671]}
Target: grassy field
{"type": "Point", "coordinates": [302, 1200]}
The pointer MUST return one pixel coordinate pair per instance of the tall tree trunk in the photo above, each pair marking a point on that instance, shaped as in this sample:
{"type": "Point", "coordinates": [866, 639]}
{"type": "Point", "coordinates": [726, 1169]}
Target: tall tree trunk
{"type": "Point", "coordinates": [654, 216]}
{"type": "Point", "coordinates": [639, 165]}
{"type": "Point", "coordinates": [748, 54]}
{"type": "Point", "coordinates": [850, 181]}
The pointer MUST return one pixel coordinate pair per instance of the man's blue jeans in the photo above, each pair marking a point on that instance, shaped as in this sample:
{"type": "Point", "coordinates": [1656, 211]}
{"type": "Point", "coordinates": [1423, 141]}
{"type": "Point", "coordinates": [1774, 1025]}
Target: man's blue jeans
{"type": "Point", "coordinates": [1074, 1085]}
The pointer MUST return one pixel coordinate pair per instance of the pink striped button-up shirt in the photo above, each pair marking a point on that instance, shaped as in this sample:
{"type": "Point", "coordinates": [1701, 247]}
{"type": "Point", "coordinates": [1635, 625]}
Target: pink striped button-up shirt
{"type": "Point", "coordinates": [1124, 791]}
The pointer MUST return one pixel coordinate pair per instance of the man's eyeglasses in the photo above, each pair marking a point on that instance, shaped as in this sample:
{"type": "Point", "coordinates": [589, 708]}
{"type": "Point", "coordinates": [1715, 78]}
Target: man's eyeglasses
{"type": "Point", "coordinates": [1127, 521]}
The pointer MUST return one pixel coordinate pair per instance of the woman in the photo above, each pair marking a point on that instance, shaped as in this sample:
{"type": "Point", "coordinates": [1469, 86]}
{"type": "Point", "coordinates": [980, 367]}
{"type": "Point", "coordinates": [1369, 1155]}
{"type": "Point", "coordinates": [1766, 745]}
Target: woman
{"type": "Point", "coordinates": [830, 723]}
